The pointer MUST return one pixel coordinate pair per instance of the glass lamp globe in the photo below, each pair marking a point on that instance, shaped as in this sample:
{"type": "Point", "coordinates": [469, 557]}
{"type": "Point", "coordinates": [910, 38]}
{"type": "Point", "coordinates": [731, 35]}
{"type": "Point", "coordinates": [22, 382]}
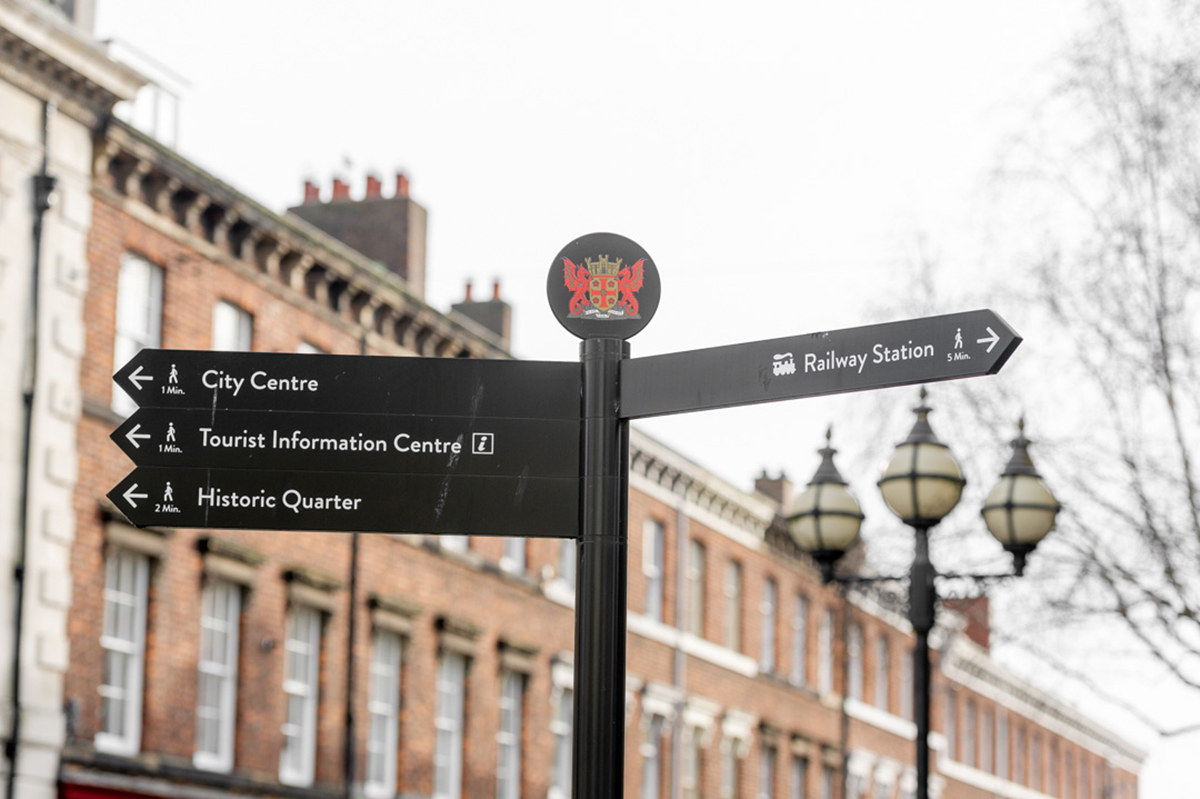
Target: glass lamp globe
{"type": "Point", "coordinates": [1020, 510]}
{"type": "Point", "coordinates": [923, 481]}
{"type": "Point", "coordinates": [826, 517]}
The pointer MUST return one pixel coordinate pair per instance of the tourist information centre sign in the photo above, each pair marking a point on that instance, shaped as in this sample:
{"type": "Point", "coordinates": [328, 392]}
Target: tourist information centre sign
{"type": "Point", "coordinates": [489, 447]}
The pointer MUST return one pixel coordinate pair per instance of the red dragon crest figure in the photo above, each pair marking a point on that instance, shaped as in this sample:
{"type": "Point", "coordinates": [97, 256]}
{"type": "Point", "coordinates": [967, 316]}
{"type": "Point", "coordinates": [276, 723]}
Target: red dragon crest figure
{"type": "Point", "coordinates": [578, 279]}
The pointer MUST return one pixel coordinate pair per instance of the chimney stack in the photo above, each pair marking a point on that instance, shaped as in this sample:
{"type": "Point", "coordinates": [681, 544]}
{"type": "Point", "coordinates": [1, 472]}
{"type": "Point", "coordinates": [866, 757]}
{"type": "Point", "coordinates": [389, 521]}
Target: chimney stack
{"type": "Point", "coordinates": [374, 187]}
{"type": "Point", "coordinates": [401, 185]}
{"type": "Point", "coordinates": [778, 489]}
{"type": "Point", "coordinates": [312, 192]}
{"type": "Point", "coordinates": [341, 190]}
{"type": "Point", "coordinates": [494, 314]}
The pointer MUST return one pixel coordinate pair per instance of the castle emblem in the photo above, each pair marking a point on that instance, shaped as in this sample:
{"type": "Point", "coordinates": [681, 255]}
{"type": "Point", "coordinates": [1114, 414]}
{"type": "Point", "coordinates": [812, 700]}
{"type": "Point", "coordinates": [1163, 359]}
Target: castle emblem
{"type": "Point", "coordinates": [603, 288]}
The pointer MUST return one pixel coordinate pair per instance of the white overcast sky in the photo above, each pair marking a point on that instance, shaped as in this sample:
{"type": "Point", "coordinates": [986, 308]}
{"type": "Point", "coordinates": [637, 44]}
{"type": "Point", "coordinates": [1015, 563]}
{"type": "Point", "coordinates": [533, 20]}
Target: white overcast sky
{"type": "Point", "coordinates": [779, 161]}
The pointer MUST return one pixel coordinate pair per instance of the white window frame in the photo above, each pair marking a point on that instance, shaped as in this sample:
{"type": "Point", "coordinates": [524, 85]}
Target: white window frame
{"type": "Point", "coordinates": [123, 639]}
{"type": "Point", "coordinates": [854, 652]}
{"type": "Point", "coordinates": [301, 675]}
{"type": "Point", "coordinates": [950, 723]}
{"type": "Point", "coordinates": [138, 318]}
{"type": "Point", "coordinates": [508, 738]}
{"type": "Point", "coordinates": [732, 589]}
{"type": "Point", "coordinates": [691, 777]}
{"type": "Point", "coordinates": [383, 713]}
{"type": "Point", "coordinates": [767, 758]}
{"type": "Point", "coordinates": [562, 728]}
{"type": "Point", "coordinates": [969, 726]}
{"type": "Point", "coordinates": [825, 654]}
{"type": "Point", "coordinates": [653, 566]}
{"type": "Point", "coordinates": [448, 724]}
{"type": "Point", "coordinates": [697, 555]}
{"type": "Point", "coordinates": [768, 610]}
{"type": "Point", "coordinates": [882, 664]}
{"type": "Point", "coordinates": [513, 559]}
{"type": "Point", "coordinates": [729, 767]}
{"type": "Point", "coordinates": [652, 757]}
{"type": "Point", "coordinates": [220, 617]}
{"type": "Point", "coordinates": [454, 543]}
{"type": "Point", "coordinates": [232, 328]}
{"type": "Point", "coordinates": [987, 761]}
{"type": "Point", "coordinates": [568, 555]}
{"type": "Point", "coordinates": [799, 672]}
{"type": "Point", "coordinates": [799, 786]}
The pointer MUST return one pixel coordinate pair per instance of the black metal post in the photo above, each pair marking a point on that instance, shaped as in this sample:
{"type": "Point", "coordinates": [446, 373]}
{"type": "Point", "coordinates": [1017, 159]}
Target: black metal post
{"type": "Point", "coordinates": [601, 578]}
{"type": "Point", "coordinates": [921, 612]}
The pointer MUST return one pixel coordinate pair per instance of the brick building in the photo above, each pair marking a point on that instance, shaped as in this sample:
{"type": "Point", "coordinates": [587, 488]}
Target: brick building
{"type": "Point", "coordinates": [239, 663]}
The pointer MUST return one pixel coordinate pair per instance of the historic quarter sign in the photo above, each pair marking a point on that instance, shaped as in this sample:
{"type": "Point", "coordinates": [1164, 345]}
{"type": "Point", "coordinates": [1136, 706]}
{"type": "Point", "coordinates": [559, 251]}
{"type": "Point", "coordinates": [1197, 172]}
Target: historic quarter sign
{"type": "Point", "coordinates": [603, 286]}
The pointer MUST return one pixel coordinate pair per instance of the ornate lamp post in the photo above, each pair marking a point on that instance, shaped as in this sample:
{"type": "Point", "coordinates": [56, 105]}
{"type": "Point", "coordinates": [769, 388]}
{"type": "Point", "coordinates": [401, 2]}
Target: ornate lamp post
{"type": "Point", "coordinates": [921, 484]}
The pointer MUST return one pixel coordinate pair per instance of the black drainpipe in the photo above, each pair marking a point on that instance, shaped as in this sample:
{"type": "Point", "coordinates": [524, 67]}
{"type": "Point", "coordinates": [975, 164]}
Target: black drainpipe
{"type": "Point", "coordinates": [43, 198]}
{"type": "Point", "coordinates": [348, 749]}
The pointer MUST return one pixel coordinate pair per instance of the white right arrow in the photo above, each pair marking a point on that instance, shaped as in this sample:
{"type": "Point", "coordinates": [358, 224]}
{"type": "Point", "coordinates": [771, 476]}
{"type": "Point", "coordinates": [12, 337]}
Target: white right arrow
{"type": "Point", "coordinates": [136, 376]}
{"type": "Point", "coordinates": [994, 339]}
{"type": "Point", "coordinates": [132, 434]}
{"type": "Point", "coordinates": [130, 496]}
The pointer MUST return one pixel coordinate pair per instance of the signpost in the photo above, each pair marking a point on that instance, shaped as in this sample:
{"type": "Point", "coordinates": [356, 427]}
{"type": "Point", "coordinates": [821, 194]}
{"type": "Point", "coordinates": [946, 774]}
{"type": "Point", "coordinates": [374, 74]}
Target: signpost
{"type": "Point", "coordinates": [509, 448]}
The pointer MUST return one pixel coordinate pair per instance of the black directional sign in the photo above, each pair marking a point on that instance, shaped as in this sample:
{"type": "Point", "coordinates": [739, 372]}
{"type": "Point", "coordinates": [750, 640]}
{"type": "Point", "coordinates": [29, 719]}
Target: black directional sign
{"type": "Point", "coordinates": [840, 361]}
{"type": "Point", "coordinates": [352, 384]}
{"type": "Point", "coordinates": [340, 501]}
{"type": "Point", "coordinates": [352, 442]}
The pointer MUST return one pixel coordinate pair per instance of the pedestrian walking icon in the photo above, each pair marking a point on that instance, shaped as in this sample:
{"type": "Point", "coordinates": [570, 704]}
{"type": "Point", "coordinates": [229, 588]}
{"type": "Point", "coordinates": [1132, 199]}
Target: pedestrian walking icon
{"type": "Point", "coordinates": [174, 376]}
{"type": "Point", "coordinates": [958, 339]}
{"type": "Point", "coordinates": [170, 431]}
{"type": "Point", "coordinates": [168, 495]}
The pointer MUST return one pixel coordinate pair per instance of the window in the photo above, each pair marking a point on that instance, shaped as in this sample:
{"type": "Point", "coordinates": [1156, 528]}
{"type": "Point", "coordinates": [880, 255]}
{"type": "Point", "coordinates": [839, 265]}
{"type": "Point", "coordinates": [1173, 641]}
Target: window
{"type": "Point", "coordinates": [799, 673]}
{"type": "Point", "coordinates": [652, 758]}
{"type": "Point", "coordinates": [733, 605]}
{"type": "Point", "coordinates": [567, 561]}
{"type": "Point", "coordinates": [825, 653]}
{"type": "Point", "coordinates": [729, 768]}
{"type": "Point", "coordinates": [305, 348]}
{"type": "Point", "coordinates": [383, 709]}
{"type": "Point", "coordinates": [448, 722]}
{"type": "Point", "coordinates": [1001, 745]}
{"type": "Point", "coordinates": [691, 763]}
{"type": "Point", "coordinates": [231, 328]}
{"type": "Point", "coordinates": [508, 740]}
{"type": "Point", "coordinates": [770, 599]}
{"type": "Point", "coordinates": [301, 661]}
{"type": "Point", "coordinates": [950, 724]}
{"type": "Point", "coordinates": [126, 585]}
{"type": "Point", "coordinates": [1019, 757]}
{"type": "Point", "coordinates": [1035, 762]}
{"type": "Point", "coordinates": [906, 685]}
{"type": "Point", "coordinates": [799, 778]}
{"type": "Point", "coordinates": [854, 647]}
{"type": "Point", "coordinates": [881, 671]}
{"type": "Point", "coordinates": [454, 543]}
{"type": "Point", "coordinates": [986, 727]}
{"type": "Point", "coordinates": [1054, 789]}
{"type": "Point", "coordinates": [561, 729]}
{"type": "Point", "coordinates": [695, 588]}
{"type": "Point", "coordinates": [766, 772]}
{"type": "Point", "coordinates": [513, 560]}
{"type": "Point", "coordinates": [216, 704]}
{"type": "Point", "coordinates": [1069, 777]}
{"type": "Point", "coordinates": [139, 317]}
{"type": "Point", "coordinates": [968, 742]}
{"type": "Point", "coordinates": [827, 778]}
{"type": "Point", "coordinates": [652, 567]}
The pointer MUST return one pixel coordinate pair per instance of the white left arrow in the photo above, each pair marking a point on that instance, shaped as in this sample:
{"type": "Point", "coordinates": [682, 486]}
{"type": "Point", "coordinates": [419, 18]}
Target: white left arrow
{"type": "Point", "coordinates": [136, 376]}
{"type": "Point", "coordinates": [130, 496]}
{"type": "Point", "coordinates": [995, 338]}
{"type": "Point", "coordinates": [132, 434]}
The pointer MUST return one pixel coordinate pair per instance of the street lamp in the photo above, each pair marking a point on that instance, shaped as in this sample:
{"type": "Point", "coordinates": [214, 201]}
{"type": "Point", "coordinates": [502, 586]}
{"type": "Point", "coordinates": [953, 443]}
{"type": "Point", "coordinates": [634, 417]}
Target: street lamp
{"type": "Point", "coordinates": [921, 484]}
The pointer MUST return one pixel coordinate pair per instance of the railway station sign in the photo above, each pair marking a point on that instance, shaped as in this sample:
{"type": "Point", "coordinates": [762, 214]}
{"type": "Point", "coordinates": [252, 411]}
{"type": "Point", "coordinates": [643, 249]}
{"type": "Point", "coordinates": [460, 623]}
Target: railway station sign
{"type": "Point", "coordinates": [840, 361]}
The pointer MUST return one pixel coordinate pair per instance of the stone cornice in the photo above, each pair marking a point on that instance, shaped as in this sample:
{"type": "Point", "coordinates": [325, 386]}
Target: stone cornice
{"type": "Point", "coordinates": [137, 173]}
{"type": "Point", "coordinates": [48, 59]}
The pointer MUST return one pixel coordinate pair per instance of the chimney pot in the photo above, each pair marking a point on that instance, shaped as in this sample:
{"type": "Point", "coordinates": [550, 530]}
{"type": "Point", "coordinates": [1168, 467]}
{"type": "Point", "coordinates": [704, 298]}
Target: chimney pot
{"type": "Point", "coordinates": [374, 187]}
{"type": "Point", "coordinates": [401, 184]}
{"type": "Point", "coordinates": [468, 299]}
{"type": "Point", "coordinates": [496, 290]}
{"type": "Point", "coordinates": [341, 190]}
{"type": "Point", "coordinates": [312, 192]}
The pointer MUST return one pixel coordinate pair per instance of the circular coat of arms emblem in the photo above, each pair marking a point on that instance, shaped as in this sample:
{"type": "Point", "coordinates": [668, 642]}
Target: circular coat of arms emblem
{"type": "Point", "coordinates": [603, 286]}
